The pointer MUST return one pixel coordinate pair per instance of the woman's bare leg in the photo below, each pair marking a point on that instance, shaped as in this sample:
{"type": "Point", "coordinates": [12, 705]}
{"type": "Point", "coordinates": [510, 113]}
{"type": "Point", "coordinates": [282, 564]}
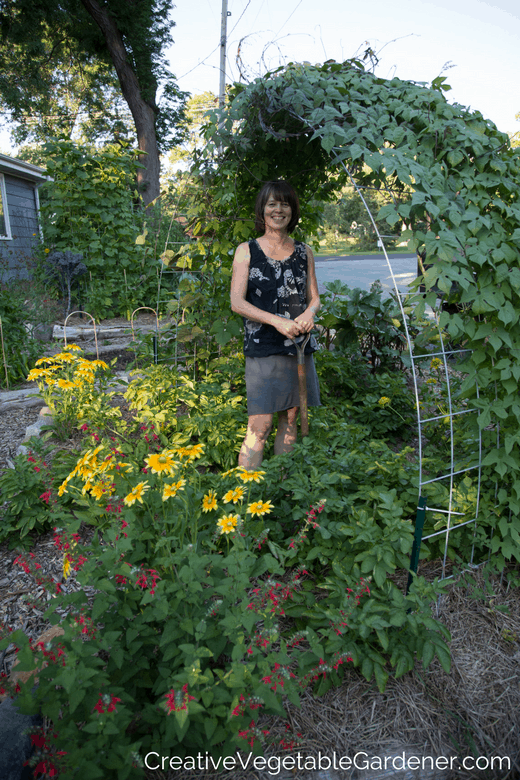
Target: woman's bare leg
{"type": "Point", "coordinates": [258, 429]}
{"type": "Point", "coordinates": [287, 431]}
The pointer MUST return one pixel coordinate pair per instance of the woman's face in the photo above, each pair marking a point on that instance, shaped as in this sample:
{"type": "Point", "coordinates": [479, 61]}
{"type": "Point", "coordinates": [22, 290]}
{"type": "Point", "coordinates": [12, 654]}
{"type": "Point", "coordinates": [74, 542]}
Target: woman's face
{"type": "Point", "coordinates": [277, 214]}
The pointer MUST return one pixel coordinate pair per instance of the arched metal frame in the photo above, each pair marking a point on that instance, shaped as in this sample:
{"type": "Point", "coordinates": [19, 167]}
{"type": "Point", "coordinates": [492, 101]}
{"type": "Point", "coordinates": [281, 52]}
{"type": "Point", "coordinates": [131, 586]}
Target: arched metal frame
{"type": "Point", "coordinates": [450, 513]}
{"type": "Point", "coordinates": [452, 471]}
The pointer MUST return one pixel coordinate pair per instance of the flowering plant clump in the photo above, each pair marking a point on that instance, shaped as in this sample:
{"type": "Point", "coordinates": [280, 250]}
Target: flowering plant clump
{"type": "Point", "coordinates": [73, 388]}
{"type": "Point", "coordinates": [208, 594]}
{"type": "Point", "coordinates": [31, 491]}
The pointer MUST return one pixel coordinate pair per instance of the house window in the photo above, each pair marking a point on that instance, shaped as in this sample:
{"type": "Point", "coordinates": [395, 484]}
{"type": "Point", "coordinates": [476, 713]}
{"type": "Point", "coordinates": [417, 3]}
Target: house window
{"type": "Point", "coordinates": [5, 230]}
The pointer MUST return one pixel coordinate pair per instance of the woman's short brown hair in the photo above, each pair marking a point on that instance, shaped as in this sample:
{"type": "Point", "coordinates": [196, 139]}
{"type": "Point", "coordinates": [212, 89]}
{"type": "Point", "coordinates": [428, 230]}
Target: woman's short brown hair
{"type": "Point", "coordinates": [282, 191]}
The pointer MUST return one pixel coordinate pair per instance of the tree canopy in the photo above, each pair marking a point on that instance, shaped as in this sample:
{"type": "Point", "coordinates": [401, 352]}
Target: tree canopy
{"type": "Point", "coordinates": [62, 57]}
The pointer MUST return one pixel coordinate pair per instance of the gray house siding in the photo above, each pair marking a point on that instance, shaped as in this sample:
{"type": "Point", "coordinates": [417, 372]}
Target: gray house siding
{"type": "Point", "coordinates": [21, 182]}
{"type": "Point", "coordinates": [23, 218]}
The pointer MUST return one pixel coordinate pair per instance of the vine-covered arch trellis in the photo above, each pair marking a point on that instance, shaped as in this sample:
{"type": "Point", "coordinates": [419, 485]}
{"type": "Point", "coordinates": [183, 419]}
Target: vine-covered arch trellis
{"type": "Point", "coordinates": [453, 184]}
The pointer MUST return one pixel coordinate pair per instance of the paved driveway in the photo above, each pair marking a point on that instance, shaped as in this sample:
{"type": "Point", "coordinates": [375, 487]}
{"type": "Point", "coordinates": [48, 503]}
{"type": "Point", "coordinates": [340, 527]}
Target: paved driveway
{"type": "Point", "coordinates": [361, 271]}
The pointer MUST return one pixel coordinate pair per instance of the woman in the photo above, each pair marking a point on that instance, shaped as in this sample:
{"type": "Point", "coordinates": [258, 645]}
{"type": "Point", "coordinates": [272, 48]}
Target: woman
{"type": "Point", "coordinates": [275, 290]}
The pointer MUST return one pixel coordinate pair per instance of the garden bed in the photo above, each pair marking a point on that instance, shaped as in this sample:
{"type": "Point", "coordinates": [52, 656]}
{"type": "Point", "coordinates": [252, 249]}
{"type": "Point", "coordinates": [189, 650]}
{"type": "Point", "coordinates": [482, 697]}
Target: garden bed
{"type": "Point", "coordinates": [313, 604]}
{"type": "Point", "coordinates": [473, 711]}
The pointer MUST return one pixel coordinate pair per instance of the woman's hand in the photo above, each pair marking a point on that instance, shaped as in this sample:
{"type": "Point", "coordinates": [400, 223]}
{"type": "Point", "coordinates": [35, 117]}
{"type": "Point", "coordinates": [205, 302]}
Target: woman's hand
{"type": "Point", "coordinates": [288, 328]}
{"type": "Point", "coordinates": [305, 321]}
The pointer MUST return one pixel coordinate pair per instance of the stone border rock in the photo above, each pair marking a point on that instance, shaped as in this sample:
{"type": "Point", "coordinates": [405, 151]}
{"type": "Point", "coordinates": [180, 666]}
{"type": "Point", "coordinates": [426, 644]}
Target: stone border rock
{"type": "Point", "coordinates": [28, 397]}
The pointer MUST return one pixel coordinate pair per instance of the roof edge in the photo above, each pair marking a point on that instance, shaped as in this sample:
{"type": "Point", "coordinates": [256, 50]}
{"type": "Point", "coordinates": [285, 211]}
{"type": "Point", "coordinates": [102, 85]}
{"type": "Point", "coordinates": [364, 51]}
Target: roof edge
{"type": "Point", "coordinates": [23, 169]}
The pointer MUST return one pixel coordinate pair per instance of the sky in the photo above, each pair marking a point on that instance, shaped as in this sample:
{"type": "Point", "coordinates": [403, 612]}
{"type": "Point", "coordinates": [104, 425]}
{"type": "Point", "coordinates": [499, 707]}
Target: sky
{"type": "Point", "coordinates": [474, 44]}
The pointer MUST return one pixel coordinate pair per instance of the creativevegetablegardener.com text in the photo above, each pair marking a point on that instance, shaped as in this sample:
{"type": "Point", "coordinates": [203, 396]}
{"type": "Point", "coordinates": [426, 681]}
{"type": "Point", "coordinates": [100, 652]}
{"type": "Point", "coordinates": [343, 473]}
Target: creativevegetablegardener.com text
{"type": "Point", "coordinates": [360, 760]}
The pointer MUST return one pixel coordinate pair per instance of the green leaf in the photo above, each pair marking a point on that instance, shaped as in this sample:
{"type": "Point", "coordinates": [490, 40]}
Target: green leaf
{"type": "Point", "coordinates": [444, 657]}
{"type": "Point", "coordinates": [428, 651]}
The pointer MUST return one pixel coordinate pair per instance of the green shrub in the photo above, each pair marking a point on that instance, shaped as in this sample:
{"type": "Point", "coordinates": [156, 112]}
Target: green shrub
{"type": "Point", "coordinates": [19, 348]}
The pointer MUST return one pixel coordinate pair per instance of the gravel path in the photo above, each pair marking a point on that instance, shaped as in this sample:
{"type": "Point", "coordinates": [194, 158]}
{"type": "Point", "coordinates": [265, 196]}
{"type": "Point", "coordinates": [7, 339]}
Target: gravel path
{"type": "Point", "coordinates": [13, 423]}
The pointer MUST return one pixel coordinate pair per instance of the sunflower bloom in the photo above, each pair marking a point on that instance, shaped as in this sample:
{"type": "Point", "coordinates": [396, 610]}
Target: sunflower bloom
{"type": "Point", "coordinates": [234, 495]}
{"type": "Point", "coordinates": [100, 489]}
{"type": "Point", "coordinates": [172, 489]}
{"type": "Point", "coordinates": [35, 373]}
{"type": "Point", "coordinates": [209, 502]}
{"type": "Point", "coordinates": [65, 357]}
{"type": "Point", "coordinates": [86, 487]}
{"type": "Point", "coordinates": [251, 476]}
{"type": "Point", "coordinates": [41, 361]}
{"type": "Point", "coordinates": [231, 471]}
{"type": "Point", "coordinates": [136, 494]}
{"type": "Point", "coordinates": [161, 463]}
{"type": "Point", "coordinates": [227, 523]}
{"type": "Point", "coordinates": [66, 384]}
{"type": "Point", "coordinates": [191, 452]}
{"type": "Point", "coordinates": [260, 508]}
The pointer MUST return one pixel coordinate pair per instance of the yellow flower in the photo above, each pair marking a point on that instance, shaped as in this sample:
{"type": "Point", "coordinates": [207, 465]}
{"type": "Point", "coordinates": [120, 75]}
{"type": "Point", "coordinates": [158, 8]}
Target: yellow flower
{"type": "Point", "coordinates": [65, 357]}
{"type": "Point", "coordinates": [136, 494]}
{"type": "Point", "coordinates": [209, 502]}
{"type": "Point", "coordinates": [73, 348]}
{"type": "Point", "coordinates": [63, 487]}
{"type": "Point", "coordinates": [66, 567]}
{"type": "Point", "coordinates": [98, 364]}
{"type": "Point", "coordinates": [100, 489]}
{"type": "Point", "coordinates": [384, 401]}
{"type": "Point", "coordinates": [126, 467]}
{"type": "Point", "coordinates": [86, 487]}
{"type": "Point", "coordinates": [260, 507]}
{"type": "Point", "coordinates": [234, 495]}
{"type": "Point", "coordinates": [227, 523]}
{"type": "Point", "coordinates": [35, 373]}
{"type": "Point", "coordinates": [90, 457]}
{"type": "Point", "coordinates": [41, 361]}
{"type": "Point", "coordinates": [85, 472]}
{"type": "Point", "coordinates": [65, 384]}
{"type": "Point", "coordinates": [436, 363]}
{"type": "Point", "coordinates": [161, 462]}
{"type": "Point", "coordinates": [168, 492]}
{"type": "Point", "coordinates": [86, 374]}
{"type": "Point", "coordinates": [231, 471]}
{"type": "Point", "coordinates": [191, 452]}
{"type": "Point", "coordinates": [251, 476]}
{"type": "Point", "coordinates": [171, 490]}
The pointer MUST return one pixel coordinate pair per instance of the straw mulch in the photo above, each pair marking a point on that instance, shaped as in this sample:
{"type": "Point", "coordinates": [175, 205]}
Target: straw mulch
{"type": "Point", "coordinates": [472, 713]}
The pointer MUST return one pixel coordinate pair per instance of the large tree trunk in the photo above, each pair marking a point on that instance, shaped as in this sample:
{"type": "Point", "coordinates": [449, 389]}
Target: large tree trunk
{"type": "Point", "coordinates": [142, 113]}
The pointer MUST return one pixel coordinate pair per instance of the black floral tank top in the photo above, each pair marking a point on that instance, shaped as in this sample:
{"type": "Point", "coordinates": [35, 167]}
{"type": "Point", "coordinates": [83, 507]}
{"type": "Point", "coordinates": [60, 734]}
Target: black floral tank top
{"type": "Point", "coordinates": [279, 287]}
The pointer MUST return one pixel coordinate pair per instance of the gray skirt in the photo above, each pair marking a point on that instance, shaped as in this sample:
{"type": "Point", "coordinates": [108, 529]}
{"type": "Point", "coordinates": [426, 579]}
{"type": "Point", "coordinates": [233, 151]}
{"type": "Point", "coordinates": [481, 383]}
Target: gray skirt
{"type": "Point", "coordinates": [272, 383]}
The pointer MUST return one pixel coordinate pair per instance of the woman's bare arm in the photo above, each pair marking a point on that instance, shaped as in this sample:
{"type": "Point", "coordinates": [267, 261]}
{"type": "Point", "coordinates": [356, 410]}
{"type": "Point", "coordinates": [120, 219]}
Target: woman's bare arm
{"type": "Point", "coordinates": [306, 319]}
